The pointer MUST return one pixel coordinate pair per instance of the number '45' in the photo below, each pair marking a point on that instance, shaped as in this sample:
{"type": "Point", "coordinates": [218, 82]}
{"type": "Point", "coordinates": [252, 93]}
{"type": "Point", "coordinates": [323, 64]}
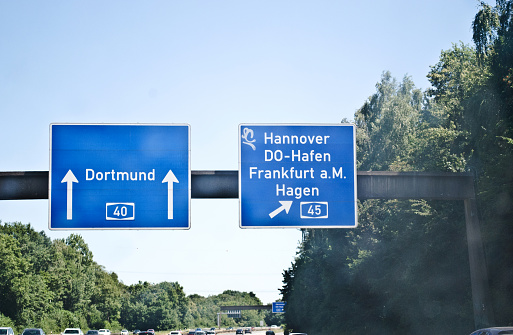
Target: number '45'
{"type": "Point", "coordinates": [314, 210]}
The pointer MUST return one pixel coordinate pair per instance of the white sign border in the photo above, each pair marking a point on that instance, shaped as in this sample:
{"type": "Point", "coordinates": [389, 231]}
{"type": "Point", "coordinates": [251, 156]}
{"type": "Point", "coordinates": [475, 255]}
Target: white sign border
{"type": "Point", "coordinates": [302, 125]}
{"type": "Point", "coordinates": [117, 124]}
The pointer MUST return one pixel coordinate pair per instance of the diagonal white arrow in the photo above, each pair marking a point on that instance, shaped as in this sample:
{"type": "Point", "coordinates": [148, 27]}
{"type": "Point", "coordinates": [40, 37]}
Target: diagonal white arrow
{"type": "Point", "coordinates": [285, 205]}
{"type": "Point", "coordinates": [170, 179]}
{"type": "Point", "coordinates": [69, 178]}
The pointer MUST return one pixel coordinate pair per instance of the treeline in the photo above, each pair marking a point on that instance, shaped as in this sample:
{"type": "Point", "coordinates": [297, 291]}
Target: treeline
{"type": "Point", "coordinates": [405, 269]}
{"type": "Point", "coordinates": [55, 284]}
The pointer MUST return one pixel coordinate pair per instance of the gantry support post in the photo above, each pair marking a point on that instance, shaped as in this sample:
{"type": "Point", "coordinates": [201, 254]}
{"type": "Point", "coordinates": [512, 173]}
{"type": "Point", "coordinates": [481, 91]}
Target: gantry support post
{"type": "Point", "coordinates": [371, 185]}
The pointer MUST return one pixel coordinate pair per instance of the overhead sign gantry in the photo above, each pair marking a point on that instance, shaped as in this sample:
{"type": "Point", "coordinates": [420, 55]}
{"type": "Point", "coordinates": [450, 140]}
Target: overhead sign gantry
{"type": "Point", "coordinates": [297, 176]}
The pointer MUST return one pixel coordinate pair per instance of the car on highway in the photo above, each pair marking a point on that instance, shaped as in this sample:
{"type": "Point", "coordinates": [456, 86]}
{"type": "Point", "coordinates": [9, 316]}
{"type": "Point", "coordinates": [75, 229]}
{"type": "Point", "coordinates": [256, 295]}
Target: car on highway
{"type": "Point", "coordinates": [146, 333]}
{"type": "Point", "coordinates": [104, 332]}
{"type": "Point", "coordinates": [175, 332]}
{"type": "Point", "coordinates": [191, 332]}
{"type": "Point", "coordinates": [269, 332]}
{"type": "Point", "coordinates": [6, 331]}
{"type": "Point", "coordinates": [200, 332]}
{"type": "Point", "coordinates": [297, 334]}
{"type": "Point", "coordinates": [239, 331]}
{"type": "Point", "coordinates": [124, 332]}
{"type": "Point", "coordinates": [493, 331]}
{"type": "Point", "coordinates": [210, 332]}
{"type": "Point", "coordinates": [136, 331]}
{"type": "Point", "coordinates": [92, 332]}
{"type": "Point", "coordinates": [72, 331]}
{"type": "Point", "coordinates": [33, 331]}
{"type": "Point", "coordinates": [247, 331]}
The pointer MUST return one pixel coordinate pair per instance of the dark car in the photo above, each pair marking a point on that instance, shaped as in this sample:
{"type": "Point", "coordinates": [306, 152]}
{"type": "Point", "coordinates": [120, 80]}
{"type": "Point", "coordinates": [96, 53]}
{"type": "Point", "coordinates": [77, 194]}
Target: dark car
{"type": "Point", "coordinates": [92, 332]}
{"type": "Point", "coordinates": [146, 333]}
{"type": "Point", "coordinates": [247, 331]}
{"type": "Point", "coordinates": [494, 331]}
{"type": "Point", "coordinates": [269, 332]}
{"type": "Point", "coordinates": [239, 331]}
{"type": "Point", "coordinates": [33, 331]}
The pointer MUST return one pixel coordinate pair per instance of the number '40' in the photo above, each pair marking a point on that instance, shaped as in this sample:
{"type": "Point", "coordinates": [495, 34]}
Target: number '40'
{"type": "Point", "coordinates": [120, 212]}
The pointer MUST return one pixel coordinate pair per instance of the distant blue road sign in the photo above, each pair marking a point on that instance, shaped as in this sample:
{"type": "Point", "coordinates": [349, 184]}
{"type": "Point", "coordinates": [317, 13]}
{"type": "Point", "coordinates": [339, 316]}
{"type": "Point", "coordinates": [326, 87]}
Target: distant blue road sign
{"type": "Point", "coordinates": [279, 306]}
{"type": "Point", "coordinates": [119, 176]}
{"type": "Point", "coordinates": [297, 176]}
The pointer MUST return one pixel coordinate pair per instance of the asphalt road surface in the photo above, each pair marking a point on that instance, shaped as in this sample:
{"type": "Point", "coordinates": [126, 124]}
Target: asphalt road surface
{"type": "Point", "coordinates": [261, 332]}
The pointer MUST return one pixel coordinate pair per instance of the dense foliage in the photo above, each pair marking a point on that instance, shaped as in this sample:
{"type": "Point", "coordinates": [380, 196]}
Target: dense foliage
{"type": "Point", "coordinates": [405, 269]}
{"type": "Point", "coordinates": [57, 284]}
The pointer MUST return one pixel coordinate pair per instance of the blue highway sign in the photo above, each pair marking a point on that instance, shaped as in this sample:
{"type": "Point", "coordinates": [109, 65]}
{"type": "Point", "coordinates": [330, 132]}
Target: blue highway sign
{"type": "Point", "coordinates": [119, 176]}
{"type": "Point", "coordinates": [297, 176]}
{"type": "Point", "coordinates": [279, 306]}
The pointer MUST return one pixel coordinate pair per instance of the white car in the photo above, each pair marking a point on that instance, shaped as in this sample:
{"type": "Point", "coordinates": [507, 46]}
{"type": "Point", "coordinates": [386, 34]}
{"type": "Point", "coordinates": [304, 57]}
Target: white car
{"type": "Point", "coordinates": [104, 332]}
{"type": "Point", "coordinates": [6, 331]}
{"type": "Point", "coordinates": [124, 332]}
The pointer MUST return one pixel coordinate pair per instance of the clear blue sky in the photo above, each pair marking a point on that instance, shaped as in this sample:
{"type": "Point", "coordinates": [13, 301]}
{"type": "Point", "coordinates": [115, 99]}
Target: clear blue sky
{"type": "Point", "coordinates": [213, 65]}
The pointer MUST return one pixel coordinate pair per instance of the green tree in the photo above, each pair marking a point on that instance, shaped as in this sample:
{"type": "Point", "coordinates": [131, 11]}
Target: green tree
{"type": "Point", "coordinates": [493, 158]}
{"type": "Point", "coordinates": [387, 124]}
{"type": "Point", "coordinates": [13, 268]}
{"type": "Point", "coordinates": [5, 321]}
{"type": "Point", "coordinates": [390, 273]}
{"type": "Point", "coordinates": [455, 79]}
{"type": "Point", "coordinates": [26, 294]}
{"type": "Point", "coordinates": [106, 299]}
{"type": "Point", "coordinates": [158, 306]}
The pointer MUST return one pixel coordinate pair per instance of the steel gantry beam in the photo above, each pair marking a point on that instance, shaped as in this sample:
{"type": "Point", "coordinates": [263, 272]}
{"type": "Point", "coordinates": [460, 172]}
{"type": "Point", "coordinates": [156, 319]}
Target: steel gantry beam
{"type": "Point", "coordinates": [245, 308]}
{"type": "Point", "coordinates": [26, 185]}
{"type": "Point", "coordinates": [23, 185]}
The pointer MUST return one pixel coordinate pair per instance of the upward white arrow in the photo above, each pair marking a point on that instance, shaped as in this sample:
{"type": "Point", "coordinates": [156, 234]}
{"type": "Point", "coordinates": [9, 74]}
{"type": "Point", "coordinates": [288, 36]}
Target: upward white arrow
{"type": "Point", "coordinates": [69, 178]}
{"type": "Point", "coordinates": [170, 179]}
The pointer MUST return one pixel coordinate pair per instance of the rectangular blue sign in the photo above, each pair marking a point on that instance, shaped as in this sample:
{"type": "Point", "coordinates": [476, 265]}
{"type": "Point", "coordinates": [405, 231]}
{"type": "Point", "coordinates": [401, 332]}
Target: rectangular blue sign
{"type": "Point", "coordinates": [279, 306]}
{"type": "Point", "coordinates": [119, 176]}
{"type": "Point", "coordinates": [297, 176]}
